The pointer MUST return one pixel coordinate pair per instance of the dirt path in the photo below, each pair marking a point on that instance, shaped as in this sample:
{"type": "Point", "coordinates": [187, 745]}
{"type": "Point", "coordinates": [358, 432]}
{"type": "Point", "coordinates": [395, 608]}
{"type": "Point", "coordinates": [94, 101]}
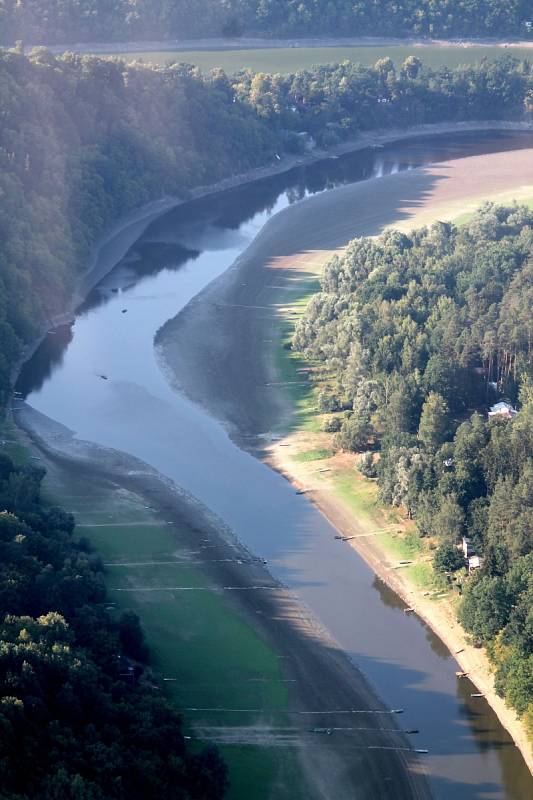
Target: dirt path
{"type": "Point", "coordinates": [238, 380]}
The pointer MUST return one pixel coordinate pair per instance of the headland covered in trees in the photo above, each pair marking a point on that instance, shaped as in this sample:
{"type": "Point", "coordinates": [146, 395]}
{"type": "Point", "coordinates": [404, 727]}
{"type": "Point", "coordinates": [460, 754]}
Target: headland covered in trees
{"type": "Point", "coordinates": [73, 21]}
{"type": "Point", "coordinates": [420, 334]}
{"type": "Point", "coordinates": [102, 138]}
{"type": "Point", "coordinates": [292, 247]}
{"type": "Point", "coordinates": [85, 141]}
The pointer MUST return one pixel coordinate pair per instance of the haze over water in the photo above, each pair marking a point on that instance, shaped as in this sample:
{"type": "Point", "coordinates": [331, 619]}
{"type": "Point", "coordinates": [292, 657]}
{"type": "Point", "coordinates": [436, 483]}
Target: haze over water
{"type": "Point", "coordinates": [135, 410]}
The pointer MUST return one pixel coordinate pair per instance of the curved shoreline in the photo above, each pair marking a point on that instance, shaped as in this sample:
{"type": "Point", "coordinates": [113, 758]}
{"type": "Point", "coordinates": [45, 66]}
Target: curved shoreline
{"type": "Point", "coordinates": [393, 136]}
{"type": "Point", "coordinates": [260, 43]}
{"type": "Point", "coordinates": [303, 227]}
{"type": "Point", "coordinates": [113, 244]}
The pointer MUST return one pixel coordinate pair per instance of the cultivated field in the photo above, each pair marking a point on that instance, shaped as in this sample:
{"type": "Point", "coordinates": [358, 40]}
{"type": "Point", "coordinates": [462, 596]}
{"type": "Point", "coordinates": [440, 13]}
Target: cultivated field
{"type": "Point", "coordinates": [291, 59]}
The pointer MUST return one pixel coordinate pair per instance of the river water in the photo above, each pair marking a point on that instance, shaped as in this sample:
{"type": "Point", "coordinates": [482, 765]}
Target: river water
{"type": "Point", "coordinates": [135, 410]}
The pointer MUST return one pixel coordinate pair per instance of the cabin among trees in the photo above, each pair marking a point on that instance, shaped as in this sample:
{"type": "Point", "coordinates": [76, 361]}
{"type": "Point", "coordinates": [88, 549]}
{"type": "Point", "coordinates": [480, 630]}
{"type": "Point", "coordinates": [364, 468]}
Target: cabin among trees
{"type": "Point", "coordinates": [412, 329]}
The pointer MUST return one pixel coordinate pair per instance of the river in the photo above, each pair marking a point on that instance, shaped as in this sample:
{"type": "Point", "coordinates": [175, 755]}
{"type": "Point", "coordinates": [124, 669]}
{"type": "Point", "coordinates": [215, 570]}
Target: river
{"type": "Point", "coordinates": [101, 378]}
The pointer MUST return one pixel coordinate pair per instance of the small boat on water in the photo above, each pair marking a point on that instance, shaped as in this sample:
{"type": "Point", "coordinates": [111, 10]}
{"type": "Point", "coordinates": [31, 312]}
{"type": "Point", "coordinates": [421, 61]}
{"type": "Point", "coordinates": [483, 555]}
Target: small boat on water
{"type": "Point", "coordinates": [409, 610]}
{"type": "Point", "coordinates": [461, 674]}
{"type": "Point", "coordinates": [477, 694]}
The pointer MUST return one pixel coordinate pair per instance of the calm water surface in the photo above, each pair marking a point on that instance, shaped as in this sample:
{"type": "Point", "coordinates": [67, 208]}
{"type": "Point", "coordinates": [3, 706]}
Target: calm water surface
{"type": "Point", "coordinates": [135, 410]}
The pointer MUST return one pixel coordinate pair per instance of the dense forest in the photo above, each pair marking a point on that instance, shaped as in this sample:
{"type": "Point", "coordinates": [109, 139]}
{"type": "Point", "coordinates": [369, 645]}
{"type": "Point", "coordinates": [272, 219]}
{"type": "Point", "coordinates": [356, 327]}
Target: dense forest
{"type": "Point", "coordinates": [68, 21]}
{"type": "Point", "coordinates": [419, 335]}
{"type": "Point", "coordinates": [79, 718]}
{"type": "Point", "coordinates": [85, 140]}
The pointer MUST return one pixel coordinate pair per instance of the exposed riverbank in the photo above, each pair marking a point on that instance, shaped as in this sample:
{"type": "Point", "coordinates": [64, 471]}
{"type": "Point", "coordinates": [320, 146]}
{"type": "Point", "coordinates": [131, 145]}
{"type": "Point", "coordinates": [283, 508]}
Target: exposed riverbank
{"type": "Point", "coordinates": [162, 433]}
{"type": "Point", "coordinates": [113, 245]}
{"type": "Point", "coordinates": [380, 760]}
{"type": "Point", "coordinates": [286, 254]}
{"type": "Point", "coordinates": [257, 43]}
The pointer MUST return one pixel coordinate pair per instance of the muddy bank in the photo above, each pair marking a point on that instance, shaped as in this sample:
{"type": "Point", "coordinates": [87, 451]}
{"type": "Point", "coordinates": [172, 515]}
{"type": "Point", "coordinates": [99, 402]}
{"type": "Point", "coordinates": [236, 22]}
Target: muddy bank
{"type": "Point", "coordinates": [232, 330]}
{"type": "Point", "coordinates": [113, 245]}
{"type": "Point", "coordinates": [237, 382]}
{"type": "Point", "coordinates": [135, 411]}
{"type": "Point", "coordinates": [257, 43]}
{"type": "Point", "coordinates": [375, 759]}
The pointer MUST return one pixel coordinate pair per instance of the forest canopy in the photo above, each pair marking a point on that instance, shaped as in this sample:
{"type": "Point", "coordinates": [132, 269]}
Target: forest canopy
{"type": "Point", "coordinates": [68, 21]}
{"type": "Point", "coordinates": [79, 714]}
{"type": "Point", "coordinates": [85, 140]}
{"type": "Point", "coordinates": [422, 333]}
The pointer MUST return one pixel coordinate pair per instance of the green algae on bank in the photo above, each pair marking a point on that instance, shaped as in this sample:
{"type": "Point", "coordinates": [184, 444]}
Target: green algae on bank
{"type": "Point", "coordinates": [202, 649]}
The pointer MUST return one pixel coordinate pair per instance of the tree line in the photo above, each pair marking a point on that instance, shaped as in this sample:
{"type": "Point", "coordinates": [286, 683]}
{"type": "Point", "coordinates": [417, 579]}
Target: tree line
{"type": "Point", "coordinates": [64, 21]}
{"type": "Point", "coordinates": [79, 717]}
{"type": "Point", "coordinates": [420, 334]}
{"type": "Point", "coordinates": [84, 140]}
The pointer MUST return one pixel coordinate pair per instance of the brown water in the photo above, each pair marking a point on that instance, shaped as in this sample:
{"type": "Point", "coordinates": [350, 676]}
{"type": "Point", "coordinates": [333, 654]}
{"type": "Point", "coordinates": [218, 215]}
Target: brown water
{"type": "Point", "coordinates": [136, 411]}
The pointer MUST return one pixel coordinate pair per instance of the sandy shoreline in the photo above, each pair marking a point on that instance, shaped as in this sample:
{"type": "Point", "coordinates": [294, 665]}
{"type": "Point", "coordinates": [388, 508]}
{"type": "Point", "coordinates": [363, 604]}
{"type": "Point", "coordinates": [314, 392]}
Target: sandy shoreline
{"type": "Point", "coordinates": [296, 243]}
{"type": "Point", "coordinates": [438, 615]}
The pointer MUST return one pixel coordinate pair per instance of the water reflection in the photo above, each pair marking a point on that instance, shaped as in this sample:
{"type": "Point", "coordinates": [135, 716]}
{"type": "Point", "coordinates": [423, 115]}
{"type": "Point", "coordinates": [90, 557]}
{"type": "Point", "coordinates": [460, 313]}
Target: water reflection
{"type": "Point", "coordinates": [136, 411]}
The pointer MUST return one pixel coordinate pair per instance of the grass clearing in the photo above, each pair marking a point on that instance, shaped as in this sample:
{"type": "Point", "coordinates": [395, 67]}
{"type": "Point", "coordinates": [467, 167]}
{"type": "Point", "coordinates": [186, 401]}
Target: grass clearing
{"type": "Point", "coordinates": [291, 59]}
{"type": "Point", "coordinates": [12, 447]}
{"type": "Point", "coordinates": [421, 575]}
{"type": "Point", "coordinates": [197, 639]}
{"type": "Point", "coordinates": [300, 391]}
{"type": "Point", "coordinates": [312, 455]}
{"type": "Point", "coordinates": [358, 494]}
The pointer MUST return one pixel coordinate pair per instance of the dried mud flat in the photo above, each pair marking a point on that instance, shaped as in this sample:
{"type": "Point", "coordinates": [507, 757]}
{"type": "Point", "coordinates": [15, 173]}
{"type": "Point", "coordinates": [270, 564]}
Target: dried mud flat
{"type": "Point", "coordinates": [237, 383]}
{"type": "Point", "coordinates": [324, 677]}
{"type": "Point", "coordinates": [373, 759]}
{"type": "Point", "coordinates": [228, 326]}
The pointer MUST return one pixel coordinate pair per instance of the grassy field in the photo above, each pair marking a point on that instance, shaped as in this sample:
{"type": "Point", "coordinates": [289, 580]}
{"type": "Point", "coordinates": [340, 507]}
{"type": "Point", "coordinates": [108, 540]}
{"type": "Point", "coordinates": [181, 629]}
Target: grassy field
{"type": "Point", "coordinates": [297, 58]}
{"type": "Point", "coordinates": [299, 390]}
{"type": "Point", "coordinates": [209, 656]}
{"type": "Point", "coordinates": [355, 492]}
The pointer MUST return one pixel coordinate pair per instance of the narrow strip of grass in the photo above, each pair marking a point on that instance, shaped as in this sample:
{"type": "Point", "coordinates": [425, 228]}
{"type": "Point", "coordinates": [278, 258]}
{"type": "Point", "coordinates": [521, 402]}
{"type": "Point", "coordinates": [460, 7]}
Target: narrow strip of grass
{"type": "Point", "coordinates": [291, 59]}
{"type": "Point", "coordinates": [300, 391]}
{"type": "Point", "coordinates": [12, 447]}
{"type": "Point", "coordinates": [312, 455]}
{"type": "Point", "coordinates": [357, 493]}
{"type": "Point", "coordinates": [210, 656]}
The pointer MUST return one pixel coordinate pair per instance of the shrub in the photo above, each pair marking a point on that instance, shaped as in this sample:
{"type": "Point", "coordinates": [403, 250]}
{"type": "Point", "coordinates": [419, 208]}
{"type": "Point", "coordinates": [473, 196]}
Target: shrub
{"type": "Point", "coordinates": [332, 424]}
{"type": "Point", "coordinates": [366, 465]}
